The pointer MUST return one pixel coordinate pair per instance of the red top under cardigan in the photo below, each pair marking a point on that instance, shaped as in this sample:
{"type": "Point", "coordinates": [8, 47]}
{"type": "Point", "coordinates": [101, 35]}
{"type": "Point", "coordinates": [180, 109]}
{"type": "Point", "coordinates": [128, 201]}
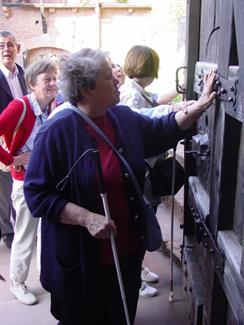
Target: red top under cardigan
{"type": "Point", "coordinates": [8, 121]}
{"type": "Point", "coordinates": [116, 195]}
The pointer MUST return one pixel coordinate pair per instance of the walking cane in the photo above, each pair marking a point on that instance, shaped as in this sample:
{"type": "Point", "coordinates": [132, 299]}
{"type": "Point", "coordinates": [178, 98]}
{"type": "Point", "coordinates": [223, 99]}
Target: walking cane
{"type": "Point", "coordinates": [107, 214]}
{"type": "Point", "coordinates": [171, 295]}
{"type": "Point", "coordinates": [182, 91]}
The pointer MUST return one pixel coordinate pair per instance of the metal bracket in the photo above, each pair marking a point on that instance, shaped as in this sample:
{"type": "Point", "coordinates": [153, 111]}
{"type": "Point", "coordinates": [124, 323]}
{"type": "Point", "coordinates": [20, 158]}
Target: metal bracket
{"type": "Point", "coordinates": [44, 20]}
{"type": "Point", "coordinates": [204, 236]}
{"type": "Point", "coordinates": [199, 145]}
{"type": "Point", "coordinates": [226, 89]}
{"type": "Point", "coordinates": [199, 205]}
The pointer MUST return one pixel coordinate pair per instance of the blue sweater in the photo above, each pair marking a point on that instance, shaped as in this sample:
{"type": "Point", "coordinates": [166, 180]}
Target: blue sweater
{"type": "Point", "coordinates": [69, 253]}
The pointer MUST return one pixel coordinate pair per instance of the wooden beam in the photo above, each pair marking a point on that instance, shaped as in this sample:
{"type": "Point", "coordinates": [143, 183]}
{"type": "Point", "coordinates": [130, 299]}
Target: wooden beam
{"type": "Point", "coordinates": [231, 280]}
{"type": "Point", "coordinates": [193, 38]}
{"type": "Point", "coordinates": [240, 208]}
{"type": "Point", "coordinates": [226, 11]}
{"type": "Point", "coordinates": [239, 11]}
{"type": "Point", "coordinates": [78, 5]}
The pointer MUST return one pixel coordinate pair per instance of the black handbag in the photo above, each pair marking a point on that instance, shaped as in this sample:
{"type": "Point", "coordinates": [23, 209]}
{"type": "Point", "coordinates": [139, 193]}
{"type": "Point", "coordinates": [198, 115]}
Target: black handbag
{"type": "Point", "coordinates": [152, 231]}
{"type": "Point", "coordinates": [161, 176]}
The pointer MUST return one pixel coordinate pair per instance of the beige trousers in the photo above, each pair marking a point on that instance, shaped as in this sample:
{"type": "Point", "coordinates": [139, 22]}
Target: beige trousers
{"type": "Point", "coordinates": [25, 235]}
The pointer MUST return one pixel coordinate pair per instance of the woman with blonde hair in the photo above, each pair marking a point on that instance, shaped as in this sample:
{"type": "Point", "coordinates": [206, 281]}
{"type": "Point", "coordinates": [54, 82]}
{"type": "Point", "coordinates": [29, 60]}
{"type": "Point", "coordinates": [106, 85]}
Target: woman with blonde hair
{"type": "Point", "coordinates": [141, 68]}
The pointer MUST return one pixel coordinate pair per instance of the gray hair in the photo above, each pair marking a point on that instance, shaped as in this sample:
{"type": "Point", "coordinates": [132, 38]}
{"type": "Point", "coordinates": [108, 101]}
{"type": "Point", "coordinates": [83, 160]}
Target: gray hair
{"type": "Point", "coordinates": [78, 72]}
{"type": "Point", "coordinates": [38, 67]}
{"type": "Point", "coordinates": [5, 33]}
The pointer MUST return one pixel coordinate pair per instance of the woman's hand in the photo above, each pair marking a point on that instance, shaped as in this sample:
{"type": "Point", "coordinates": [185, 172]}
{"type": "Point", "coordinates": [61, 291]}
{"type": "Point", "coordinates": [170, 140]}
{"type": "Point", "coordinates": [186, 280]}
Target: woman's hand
{"type": "Point", "coordinates": [206, 98]}
{"type": "Point", "coordinates": [99, 227]}
{"type": "Point", "coordinates": [193, 111]}
{"type": "Point", "coordinates": [208, 94]}
{"type": "Point", "coordinates": [21, 159]}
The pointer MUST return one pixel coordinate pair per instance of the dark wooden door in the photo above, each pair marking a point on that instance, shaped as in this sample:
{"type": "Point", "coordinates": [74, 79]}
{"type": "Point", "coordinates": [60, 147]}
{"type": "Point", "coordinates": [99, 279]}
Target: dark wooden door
{"type": "Point", "coordinates": [214, 159]}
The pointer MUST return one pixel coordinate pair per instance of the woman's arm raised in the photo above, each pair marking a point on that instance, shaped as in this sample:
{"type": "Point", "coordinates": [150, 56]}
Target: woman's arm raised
{"type": "Point", "coordinates": [185, 119]}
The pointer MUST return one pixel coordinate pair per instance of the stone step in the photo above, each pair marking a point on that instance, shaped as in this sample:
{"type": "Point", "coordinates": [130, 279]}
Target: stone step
{"type": "Point", "coordinates": [178, 204]}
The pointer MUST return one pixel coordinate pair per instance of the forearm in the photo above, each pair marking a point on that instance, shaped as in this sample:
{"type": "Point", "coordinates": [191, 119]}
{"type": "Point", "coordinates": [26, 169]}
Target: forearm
{"type": "Point", "coordinates": [97, 225]}
{"type": "Point", "coordinates": [186, 119]}
{"type": "Point", "coordinates": [157, 111]}
{"type": "Point", "coordinates": [5, 157]}
{"type": "Point", "coordinates": [73, 214]}
{"type": "Point", "coordinates": [167, 97]}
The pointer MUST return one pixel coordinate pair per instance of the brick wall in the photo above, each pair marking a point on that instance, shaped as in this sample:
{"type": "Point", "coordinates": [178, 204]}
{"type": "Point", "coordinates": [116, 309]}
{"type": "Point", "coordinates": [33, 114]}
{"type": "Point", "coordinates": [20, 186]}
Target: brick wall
{"type": "Point", "coordinates": [119, 28]}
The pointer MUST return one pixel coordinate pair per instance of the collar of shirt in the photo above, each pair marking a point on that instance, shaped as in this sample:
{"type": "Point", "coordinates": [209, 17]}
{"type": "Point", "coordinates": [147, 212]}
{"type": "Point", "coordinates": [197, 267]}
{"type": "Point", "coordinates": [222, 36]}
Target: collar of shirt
{"type": "Point", "coordinates": [142, 90]}
{"type": "Point", "coordinates": [9, 74]}
{"type": "Point", "coordinates": [36, 107]}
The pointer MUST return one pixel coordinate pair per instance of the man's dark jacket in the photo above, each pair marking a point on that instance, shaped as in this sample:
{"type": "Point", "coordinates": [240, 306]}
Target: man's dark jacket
{"type": "Point", "coordinates": [5, 93]}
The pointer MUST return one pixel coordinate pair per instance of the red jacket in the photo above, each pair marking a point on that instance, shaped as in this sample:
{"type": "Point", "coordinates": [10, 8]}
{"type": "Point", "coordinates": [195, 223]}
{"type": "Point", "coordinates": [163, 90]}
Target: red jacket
{"type": "Point", "coordinates": [8, 121]}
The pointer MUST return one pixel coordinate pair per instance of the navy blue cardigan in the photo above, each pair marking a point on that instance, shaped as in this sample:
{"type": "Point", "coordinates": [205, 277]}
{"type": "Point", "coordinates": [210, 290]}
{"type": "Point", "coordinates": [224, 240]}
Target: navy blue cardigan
{"type": "Point", "coordinates": [69, 253]}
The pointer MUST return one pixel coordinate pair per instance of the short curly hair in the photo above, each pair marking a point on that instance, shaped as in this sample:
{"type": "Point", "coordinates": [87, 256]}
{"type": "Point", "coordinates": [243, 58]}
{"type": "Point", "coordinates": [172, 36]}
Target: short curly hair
{"type": "Point", "coordinates": [141, 61]}
{"type": "Point", "coordinates": [38, 67]}
{"type": "Point", "coordinates": [78, 72]}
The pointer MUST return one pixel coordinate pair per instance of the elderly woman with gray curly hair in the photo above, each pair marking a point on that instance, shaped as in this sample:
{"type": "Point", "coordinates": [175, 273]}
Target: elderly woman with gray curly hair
{"type": "Point", "coordinates": [77, 261]}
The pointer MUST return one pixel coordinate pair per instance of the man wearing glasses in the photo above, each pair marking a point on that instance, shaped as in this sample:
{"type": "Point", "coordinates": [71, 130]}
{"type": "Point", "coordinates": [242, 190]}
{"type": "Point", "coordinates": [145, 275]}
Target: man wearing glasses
{"type": "Point", "coordinates": [12, 85]}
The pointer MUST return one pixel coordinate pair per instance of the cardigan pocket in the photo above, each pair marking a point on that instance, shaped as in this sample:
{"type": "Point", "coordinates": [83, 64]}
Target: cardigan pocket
{"type": "Point", "coordinates": [67, 281]}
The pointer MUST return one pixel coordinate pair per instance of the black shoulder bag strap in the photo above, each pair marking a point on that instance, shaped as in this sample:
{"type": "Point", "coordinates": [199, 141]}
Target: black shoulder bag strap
{"type": "Point", "coordinates": [153, 235]}
{"type": "Point", "coordinates": [153, 103]}
{"type": "Point", "coordinates": [121, 158]}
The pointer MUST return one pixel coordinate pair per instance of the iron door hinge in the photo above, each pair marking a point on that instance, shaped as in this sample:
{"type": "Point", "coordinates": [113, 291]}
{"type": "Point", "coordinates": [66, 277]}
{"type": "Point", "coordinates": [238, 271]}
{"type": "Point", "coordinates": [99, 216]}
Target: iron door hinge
{"type": "Point", "coordinates": [198, 202]}
{"type": "Point", "coordinates": [226, 89]}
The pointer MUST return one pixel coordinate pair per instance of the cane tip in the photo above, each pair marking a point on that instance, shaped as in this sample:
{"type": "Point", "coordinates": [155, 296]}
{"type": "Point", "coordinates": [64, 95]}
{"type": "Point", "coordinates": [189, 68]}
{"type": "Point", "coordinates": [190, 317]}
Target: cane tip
{"type": "Point", "coordinates": [171, 297]}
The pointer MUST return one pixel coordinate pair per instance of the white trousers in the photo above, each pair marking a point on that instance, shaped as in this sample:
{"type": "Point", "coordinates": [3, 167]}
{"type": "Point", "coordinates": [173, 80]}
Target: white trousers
{"type": "Point", "coordinates": [25, 233]}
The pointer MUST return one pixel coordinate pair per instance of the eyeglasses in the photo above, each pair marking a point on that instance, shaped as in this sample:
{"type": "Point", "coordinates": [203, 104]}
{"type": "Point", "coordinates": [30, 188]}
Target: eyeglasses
{"type": "Point", "coordinates": [9, 45]}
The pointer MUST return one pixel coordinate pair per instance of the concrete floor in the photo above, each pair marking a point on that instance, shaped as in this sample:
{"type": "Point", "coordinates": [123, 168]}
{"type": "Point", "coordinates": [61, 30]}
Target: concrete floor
{"type": "Point", "coordinates": [151, 311]}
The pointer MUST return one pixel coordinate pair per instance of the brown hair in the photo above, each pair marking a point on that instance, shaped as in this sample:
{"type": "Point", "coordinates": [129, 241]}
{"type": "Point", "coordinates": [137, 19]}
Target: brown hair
{"type": "Point", "coordinates": [141, 61]}
{"type": "Point", "coordinates": [38, 67]}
